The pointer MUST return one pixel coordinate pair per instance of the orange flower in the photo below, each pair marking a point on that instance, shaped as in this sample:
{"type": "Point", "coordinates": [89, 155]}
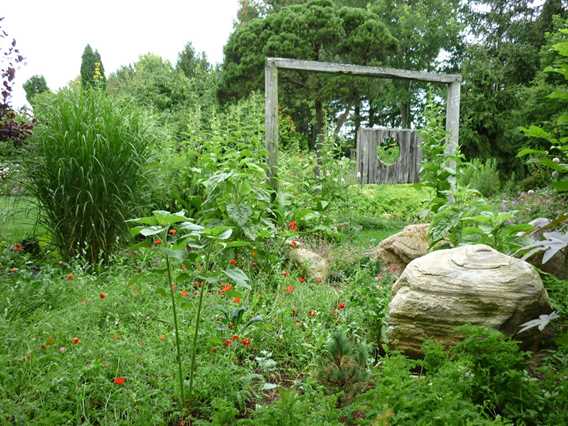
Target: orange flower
{"type": "Point", "coordinates": [228, 342]}
{"type": "Point", "coordinates": [233, 262]}
{"type": "Point", "coordinates": [75, 340]}
{"type": "Point", "coordinates": [157, 241]}
{"type": "Point", "coordinates": [293, 226]}
{"type": "Point", "coordinates": [234, 337]}
{"type": "Point", "coordinates": [183, 293]}
{"type": "Point", "coordinates": [226, 287]}
{"type": "Point", "coordinates": [119, 380]}
{"type": "Point", "coordinates": [102, 295]}
{"type": "Point", "coordinates": [245, 341]}
{"type": "Point", "coordinates": [312, 313]}
{"type": "Point", "coordinates": [14, 269]}
{"type": "Point", "coordinates": [290, 289]}
{"type": "Point", "coordinates": [301, 279]}
{"type": "Point", "coordinates": [70, 276]}
{"type": "Point", "coordinates": [162, 338]}
{"type": "Point", "coordinates": [341, 306]}
{"type": "Point", "coordinates": [237, 300]}
{"type": "Point", "coordinates": [172, 232]}
{"type": "Point", "coordinates": [294, 244]}
{"type": "Point", "coordinates": [18, 248]}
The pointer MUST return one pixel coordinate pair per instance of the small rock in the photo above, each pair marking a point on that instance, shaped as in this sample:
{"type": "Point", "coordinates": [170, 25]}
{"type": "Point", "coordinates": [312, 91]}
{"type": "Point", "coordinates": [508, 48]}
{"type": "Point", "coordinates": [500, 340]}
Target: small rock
{"type": "Point", "coordinates": [315, 266]}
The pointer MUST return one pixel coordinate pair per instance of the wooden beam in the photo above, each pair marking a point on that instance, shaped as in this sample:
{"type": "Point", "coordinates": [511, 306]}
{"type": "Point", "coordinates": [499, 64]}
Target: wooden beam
{"type": "Point", "coordinates": [271, 121]}
{"type": "Point", "coordinates": [453, 129]}
{"type": "Point", "coordinates": [362, 70]}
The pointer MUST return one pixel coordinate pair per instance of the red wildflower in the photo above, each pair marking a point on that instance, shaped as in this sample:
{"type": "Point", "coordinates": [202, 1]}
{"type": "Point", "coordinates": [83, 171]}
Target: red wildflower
{"type": "Point", "coordinates": [301, 279]}
{"type": "Point", "coordinates": [184, 293]}
{"type": "Point", "coordinates": [172, 232]}
{"type": "Point", "coordinates": [285, 273]}
{"type": "Point", "coordinates": [233, 262]}
{"type": "Point", "coordinates": [157, 241]}
{"type": "Point", "coordinates": [290, 289]}
{"type": "Point", "coordinates": [70, 276]}
{"type": "Point", "coordinates": [245, 341]}
{"type": "Point", "coordinates": [341, 306]}
{"type": "Point", "coordinates": [237, 300]}
{"type": "Point", "coordinates": [102, 295]}
{"type": "Point", "coordinates": [226, 287]}
{"type": "Point", "coordinates": [75, 340]}
{"type": "Point", "coordinates": [294, 244]}
{"type": "Point", "coordinates": [18, 248]}
{"type": "Point", "coordinates": [234, 337]}
{"type": "Point", "coordinates": [312, 313]}
{"type": "Point", "coordinates": [228, 342]}
{"type": "Point", "coordinates": [119, 380]}
{"type": "Point", "coordinates": [293, 226]}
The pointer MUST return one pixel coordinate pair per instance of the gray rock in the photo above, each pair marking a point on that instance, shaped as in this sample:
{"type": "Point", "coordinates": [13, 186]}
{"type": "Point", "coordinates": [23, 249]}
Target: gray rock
{"type": "Point", "coordinates": [315, 266]}
{"type": "Point", "coordinates": [472, 284]}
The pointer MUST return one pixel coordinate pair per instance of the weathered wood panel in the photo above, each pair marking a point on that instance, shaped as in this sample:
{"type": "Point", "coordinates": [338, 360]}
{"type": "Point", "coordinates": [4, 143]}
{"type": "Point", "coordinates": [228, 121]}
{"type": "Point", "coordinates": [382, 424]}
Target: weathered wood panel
{"type": "Point", "coordinates": [370, 168]}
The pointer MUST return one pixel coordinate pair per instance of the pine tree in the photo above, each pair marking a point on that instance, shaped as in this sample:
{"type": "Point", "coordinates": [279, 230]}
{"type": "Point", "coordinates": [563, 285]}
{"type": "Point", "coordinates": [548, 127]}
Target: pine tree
{"type": "Point", "coordinates": [92, 70]}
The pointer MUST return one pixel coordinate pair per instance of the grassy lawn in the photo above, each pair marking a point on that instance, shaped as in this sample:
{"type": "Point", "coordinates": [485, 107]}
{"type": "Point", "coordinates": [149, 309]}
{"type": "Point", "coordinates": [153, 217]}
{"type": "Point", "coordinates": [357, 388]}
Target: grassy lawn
{"type": "Point", "coordinates": [18, 217]}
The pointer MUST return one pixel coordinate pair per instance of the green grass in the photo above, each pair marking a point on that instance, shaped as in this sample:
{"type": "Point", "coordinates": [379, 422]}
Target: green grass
{"type": "Point", "coordinates": [18, 217]}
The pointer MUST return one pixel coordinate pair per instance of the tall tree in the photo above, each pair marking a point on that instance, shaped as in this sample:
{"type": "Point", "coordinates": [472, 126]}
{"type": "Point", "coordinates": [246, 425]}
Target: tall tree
{"type": "Point", "coordinates": [190, 62]}
{"type": "Point", "coordinates": [92, 70]}
{"type": "Point", "coordinates": [35, 85]}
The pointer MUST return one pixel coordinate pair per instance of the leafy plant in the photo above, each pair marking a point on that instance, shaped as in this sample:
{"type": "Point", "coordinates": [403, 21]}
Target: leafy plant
{"type": "Point", "coordinates": [86, 170]}
{"type": "Point", "coordinates": [481, 176]}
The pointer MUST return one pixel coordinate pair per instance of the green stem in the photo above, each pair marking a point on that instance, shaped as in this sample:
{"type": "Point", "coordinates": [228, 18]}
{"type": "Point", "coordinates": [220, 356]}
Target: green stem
{"type": "Point", "coordinates": [194, 345]}
{"type": "Point", "coordinates": [178, 346]}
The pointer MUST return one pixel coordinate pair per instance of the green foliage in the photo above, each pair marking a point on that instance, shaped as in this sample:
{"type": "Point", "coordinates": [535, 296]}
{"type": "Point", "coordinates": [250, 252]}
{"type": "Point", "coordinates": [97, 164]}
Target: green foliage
{"type": "Point", "coordinates": [344, 367]}
{"type": "Point", "coordinates": [35, 85]}
{"type": "Point", "coordinates": [92, 70]}
{"type": "Point", "coordinates": [481, 176]}
{"type": "Point", "coordinates": [86, 169]}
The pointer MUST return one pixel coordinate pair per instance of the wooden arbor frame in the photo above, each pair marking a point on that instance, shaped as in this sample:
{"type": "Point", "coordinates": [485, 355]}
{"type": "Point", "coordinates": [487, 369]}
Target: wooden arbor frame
{"type": "Point", "coordinates": [271, 98]}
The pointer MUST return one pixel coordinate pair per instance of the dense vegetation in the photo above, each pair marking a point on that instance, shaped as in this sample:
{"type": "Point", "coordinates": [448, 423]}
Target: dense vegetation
{"type": "Point", "coordinates": [144, 258]}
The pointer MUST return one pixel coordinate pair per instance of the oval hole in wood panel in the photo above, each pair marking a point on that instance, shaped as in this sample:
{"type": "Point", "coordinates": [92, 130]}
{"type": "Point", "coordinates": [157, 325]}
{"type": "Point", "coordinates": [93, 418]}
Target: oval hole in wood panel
{"type": "Point", "coordinates": [388, 151]}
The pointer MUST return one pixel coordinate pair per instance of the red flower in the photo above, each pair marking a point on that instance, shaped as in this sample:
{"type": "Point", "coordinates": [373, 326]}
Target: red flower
{"type": "Point", "coordinates": [233, 262]}
{"type": "Point", "coordinates": [312, 313]}
{"type": "Point", "coordinates": [75, 340]}
{"type": "Point", "coordinates": [237, 300]}
{"type": "Point", "coordinates": [228, 342]}
{"type": "Point", "coordinates": [293, 226]}
{"type": "Point", "coordinates": [290, 289]}
{"type": "Point", "coordinates": [102, 295]}
{"type": "Point", "coordinates": [234, 337]}
{"type": "Point", "coordinates": [18, 248]}
{"type": "Point", "coordinates": [245, 341]}
{"type": "Point", "coordinates": [157, 241]}
{"type": "Point", "coordinates": [172, 232]}
{"type": "Point", "coordinates": [285, 273]}
{"type": "Point", "coordinates": [301, 280]}
{"type": "Point", "coordinates": [70, 276]}
{"type": "Point", "coordinates": [119, 380]}
{"type": "Point", "coordinates": [184, 293]}
{"type": "Point", "coordinates": [226, 287]}
{"type": "Point", "coordinates": [294, 244]}
{"type": "Point", "coordinates": [341, 306]}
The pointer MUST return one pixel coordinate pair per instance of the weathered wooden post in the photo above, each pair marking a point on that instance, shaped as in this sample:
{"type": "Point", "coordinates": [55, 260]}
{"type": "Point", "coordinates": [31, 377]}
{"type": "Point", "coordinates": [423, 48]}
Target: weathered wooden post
{"type": "Point", "coordinates": [453, 130]}
{"type": "Point", "coordinates": [271, 120]}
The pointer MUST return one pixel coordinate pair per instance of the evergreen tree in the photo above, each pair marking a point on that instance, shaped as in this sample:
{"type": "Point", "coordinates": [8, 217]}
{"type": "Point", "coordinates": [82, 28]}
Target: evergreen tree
{"type": "Point", "coordinates": [92, 69]}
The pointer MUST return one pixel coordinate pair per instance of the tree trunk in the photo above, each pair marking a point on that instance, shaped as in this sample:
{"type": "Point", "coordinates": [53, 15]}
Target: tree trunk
{"type": "Point", "coordinates": [319, 135]}
{"type": "Point", "coordinates": [404, 105]}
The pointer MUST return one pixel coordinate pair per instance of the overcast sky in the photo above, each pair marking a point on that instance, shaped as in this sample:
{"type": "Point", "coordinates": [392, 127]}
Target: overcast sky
{"type": "Point", "coordinates": [52, 34]}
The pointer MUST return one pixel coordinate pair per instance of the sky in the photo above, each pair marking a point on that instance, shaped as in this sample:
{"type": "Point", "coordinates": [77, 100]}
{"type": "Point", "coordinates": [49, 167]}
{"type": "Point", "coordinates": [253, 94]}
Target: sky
{"type": "Point", "coordinates": [51, 34]}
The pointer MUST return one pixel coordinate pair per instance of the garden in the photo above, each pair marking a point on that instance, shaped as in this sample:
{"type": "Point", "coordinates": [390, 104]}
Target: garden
{"type": "Point", "coordinates": [151, 273]}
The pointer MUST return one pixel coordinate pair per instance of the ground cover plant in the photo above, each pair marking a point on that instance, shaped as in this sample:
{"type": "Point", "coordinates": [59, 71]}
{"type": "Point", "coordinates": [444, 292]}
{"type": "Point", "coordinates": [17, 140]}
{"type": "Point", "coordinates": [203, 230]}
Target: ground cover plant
{"type": "Point", "coordinates": [146, 274]}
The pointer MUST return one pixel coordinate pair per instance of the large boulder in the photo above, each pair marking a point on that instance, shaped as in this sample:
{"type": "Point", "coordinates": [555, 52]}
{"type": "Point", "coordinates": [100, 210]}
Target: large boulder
{"type": "Point", "coordinates": [472, 284]}
{"type": "Point", "coordinates": [398, 250]}
{"type": "Point", "coordinates": [315, 266]}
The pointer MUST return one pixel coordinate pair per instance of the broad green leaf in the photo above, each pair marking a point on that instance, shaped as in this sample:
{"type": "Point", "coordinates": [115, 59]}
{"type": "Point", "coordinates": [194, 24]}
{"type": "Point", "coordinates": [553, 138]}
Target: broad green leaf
{"type": "Point", "coordinates": [561, 186]}
{"type": "Point", "coordinates": [174, 254]}
{"type": "Point", "coordinates": [166, 218]}
{"type": "Point", "coordinates": [152, 230]}
{"type": "Point", "coordinates": [240, 213]}
{"type": "Point", "coordinates": [238, 277]}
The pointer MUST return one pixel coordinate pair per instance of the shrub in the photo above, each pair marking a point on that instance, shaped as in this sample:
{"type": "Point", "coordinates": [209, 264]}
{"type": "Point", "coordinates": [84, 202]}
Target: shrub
{"type": "Point", "coordinates": [86, 169]}
{"type": "Point", "coordinates": [482, 176]}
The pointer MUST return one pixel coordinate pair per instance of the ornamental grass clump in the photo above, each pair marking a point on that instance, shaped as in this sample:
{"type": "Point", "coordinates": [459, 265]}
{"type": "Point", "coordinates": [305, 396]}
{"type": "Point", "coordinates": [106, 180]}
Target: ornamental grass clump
{"type": "Point", "coordinates": [86, 170]}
